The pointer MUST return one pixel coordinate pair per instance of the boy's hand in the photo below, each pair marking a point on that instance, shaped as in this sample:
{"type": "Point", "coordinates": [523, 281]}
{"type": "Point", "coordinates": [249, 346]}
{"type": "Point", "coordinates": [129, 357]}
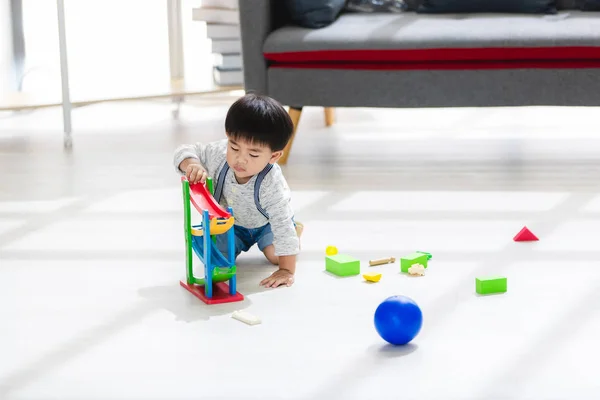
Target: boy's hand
{"type": "Point", "coordinates": [278, 278]}
{"type": "Point", "coordinates": [195, 173]}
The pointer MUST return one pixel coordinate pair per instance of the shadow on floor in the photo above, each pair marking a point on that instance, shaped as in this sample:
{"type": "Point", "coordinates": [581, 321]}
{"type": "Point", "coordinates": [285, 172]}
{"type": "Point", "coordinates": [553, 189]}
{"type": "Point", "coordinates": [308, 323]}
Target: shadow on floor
{"type": "Point", "coordinates": [390, 351]}
{"type": "Point", "coordinates": [72, 348]}
{"type": "Point", "coordinates": [186, 307]}
{"type": "Point", "coordinates": [341, 383]}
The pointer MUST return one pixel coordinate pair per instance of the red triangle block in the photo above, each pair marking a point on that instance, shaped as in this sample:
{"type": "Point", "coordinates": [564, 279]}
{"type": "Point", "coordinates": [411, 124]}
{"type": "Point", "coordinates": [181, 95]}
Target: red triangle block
{"type": "Point", "coordinates": [525, 235]}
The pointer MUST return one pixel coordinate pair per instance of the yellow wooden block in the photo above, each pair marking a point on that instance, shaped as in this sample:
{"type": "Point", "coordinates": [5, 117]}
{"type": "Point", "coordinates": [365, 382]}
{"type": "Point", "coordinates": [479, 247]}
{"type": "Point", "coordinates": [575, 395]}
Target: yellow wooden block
{"type": "Point", "coordinates": [372, 276]}
{"type": "Point", "coordinates": [331, 250]}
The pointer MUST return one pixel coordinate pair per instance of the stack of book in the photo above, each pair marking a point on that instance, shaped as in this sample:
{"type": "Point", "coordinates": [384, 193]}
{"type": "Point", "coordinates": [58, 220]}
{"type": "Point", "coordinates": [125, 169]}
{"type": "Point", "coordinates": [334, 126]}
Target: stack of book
{"type": "Point", "coordinates": [223, 29]}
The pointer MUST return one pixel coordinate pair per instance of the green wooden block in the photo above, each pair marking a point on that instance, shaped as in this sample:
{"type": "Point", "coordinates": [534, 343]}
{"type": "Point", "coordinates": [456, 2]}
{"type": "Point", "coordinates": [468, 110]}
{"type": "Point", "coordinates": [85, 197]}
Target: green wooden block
{"type": "Point", "coordinates": [429, 256]}
{"type": "Point", "coordinates": [342, 265]}
{"type": "Point", "coordinates": [414, 258]}
{"type": "Point", "coordinates": [491, 284]}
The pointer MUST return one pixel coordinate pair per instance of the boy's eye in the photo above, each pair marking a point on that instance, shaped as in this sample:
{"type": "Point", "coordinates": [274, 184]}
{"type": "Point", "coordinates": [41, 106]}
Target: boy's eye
{"type": "Point", "coordinates": [253, 155]}
{"type": "Point", "coordinates": [233, 148]}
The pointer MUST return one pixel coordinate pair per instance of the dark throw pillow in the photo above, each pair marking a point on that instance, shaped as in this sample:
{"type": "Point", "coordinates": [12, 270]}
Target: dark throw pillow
{"type": "Point", "coordinates": [314, 13]}
{"type": "Point", "coordinates": [488, 6]}
{"type": "Point", "coordinates": [589, 5]}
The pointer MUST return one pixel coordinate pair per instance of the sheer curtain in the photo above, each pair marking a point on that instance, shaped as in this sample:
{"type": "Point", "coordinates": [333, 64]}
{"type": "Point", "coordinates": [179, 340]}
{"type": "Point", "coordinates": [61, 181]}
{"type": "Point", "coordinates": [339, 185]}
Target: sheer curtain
{"type": "Point", "coordinates": [116, 48]}
{"type": "Point", "coordinates": [11, 45]}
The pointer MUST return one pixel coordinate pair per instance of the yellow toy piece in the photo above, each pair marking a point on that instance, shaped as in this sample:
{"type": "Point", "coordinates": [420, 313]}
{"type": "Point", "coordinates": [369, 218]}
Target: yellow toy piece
{"type": "Point", "coordinates": [217, 227]}
{"type": "Point", "coordinates": [331, 250]}
{"type": "Point", "coordinates": [372, 276]}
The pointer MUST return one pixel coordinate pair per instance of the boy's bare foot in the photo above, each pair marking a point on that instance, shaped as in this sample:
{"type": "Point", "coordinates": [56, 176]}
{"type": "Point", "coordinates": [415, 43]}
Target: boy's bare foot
{"type": "Point", "coordinates": [299, 229]}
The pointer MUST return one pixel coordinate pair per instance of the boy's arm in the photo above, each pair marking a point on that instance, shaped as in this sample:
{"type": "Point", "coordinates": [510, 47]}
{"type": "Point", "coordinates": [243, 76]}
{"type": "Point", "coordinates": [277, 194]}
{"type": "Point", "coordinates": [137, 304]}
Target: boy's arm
{"type": "Point", "coordinates": [187, 161]}
{"type": "Point", "coordinates": [209, 156]}
{"type": "Point", "coordinates": [281, 218]}
{"type": "Point", "coordinates": [187, 154]}
{"type": "Point", "coordinates": [288, 263]}
{"type": "Point", "coordinates": [275, 197]}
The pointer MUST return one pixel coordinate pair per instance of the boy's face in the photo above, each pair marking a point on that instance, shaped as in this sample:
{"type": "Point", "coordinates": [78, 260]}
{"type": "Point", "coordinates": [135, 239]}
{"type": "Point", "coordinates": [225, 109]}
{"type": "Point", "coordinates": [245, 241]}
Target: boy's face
{"type": "Point", "coordinates": [248, 159]}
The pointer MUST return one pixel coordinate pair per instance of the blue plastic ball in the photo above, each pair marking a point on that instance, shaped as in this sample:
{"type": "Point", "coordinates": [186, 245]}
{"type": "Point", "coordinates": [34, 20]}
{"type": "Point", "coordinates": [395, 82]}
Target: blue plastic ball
{"type": "Point", "coordinates": [398, 320]}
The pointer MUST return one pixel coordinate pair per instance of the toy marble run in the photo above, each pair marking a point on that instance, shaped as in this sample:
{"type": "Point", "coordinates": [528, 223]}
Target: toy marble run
{"type": "Point", "coordinates": [201, 239]}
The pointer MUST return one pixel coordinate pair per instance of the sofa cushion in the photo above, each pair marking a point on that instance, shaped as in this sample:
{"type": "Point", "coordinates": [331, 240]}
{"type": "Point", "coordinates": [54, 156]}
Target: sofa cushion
{"type": "Point", "coordinates": [567, 4]}
{"type": "Point", "coordinates": [488, 6]}
{"type": "Point", "coordinates": [412, 5]}
{"type": "Point", "coordinates": [314, 13]}
{"type": "Point", "coordinates": [410, 37]}
{"type": "Point", "coordinates": [376, 5]}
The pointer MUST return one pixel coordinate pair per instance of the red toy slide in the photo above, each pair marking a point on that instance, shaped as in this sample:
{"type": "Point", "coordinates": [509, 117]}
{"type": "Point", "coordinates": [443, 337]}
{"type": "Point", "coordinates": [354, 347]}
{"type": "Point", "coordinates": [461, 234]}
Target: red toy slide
{"type": "Point", "coordinates": [203, 200]}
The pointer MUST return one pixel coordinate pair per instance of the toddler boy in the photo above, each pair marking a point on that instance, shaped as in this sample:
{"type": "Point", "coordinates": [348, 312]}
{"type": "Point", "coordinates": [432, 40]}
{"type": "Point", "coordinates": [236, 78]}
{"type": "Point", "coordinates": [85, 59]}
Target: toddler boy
{"type": "Point", "coordinates": [247, 179]}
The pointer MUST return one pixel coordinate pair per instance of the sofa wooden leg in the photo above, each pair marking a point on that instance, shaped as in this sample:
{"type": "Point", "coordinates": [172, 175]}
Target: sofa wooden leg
{"type": "Point", "coordinates": [295, 113]}
{"type": "Point", "coordinates": [329, 116]}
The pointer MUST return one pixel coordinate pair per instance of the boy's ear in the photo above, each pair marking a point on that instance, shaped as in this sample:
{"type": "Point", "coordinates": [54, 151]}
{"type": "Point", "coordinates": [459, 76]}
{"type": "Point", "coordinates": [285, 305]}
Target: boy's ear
{"type": "Point", "coordinates": [275, 156]}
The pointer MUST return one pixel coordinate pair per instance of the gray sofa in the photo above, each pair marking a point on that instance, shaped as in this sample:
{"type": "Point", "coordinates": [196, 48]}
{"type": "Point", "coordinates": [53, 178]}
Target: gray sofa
{"type": "Point", "coordinates": [423, 60]}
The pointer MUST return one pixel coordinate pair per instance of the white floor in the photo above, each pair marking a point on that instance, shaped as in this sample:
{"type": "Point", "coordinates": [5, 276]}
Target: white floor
{"type": "Point", "coordinates": [91, 254]}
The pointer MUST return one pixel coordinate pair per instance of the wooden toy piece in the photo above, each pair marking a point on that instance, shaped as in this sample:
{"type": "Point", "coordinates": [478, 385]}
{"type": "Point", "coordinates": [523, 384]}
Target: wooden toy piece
{"type": "Point", "coordinates": [382, 261]}
{"type": "Point", "coordinates": [246, 317]}
{"type": "Point", "coordinates": [491, 284]}
{"type": "Point", "coordinates": [525, 235]}
{"type": "Point", "coordinates": [331, 250]}
{"type": "Point", "coordinates": [372, 276]}
{"type": "Point", "coordinates": [417, 269]}
{"type": "Point", "coordinates": [342, 265]}
{"type": "Point", "coordinates": [414, 258]}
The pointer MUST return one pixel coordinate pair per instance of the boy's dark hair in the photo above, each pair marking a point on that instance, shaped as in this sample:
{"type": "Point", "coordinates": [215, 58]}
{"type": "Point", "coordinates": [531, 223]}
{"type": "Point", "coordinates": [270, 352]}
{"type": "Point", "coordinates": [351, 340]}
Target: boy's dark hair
{"type": "Point", "coordinates": [259, 119]}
